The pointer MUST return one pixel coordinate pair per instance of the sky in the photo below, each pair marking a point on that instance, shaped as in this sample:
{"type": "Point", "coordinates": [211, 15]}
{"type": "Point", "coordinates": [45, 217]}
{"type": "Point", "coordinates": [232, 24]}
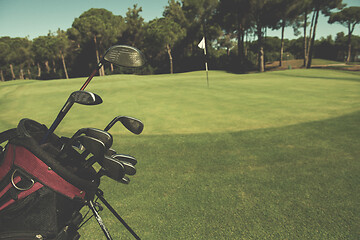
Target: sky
{"type": "Point", "coordinates": [33, 18]}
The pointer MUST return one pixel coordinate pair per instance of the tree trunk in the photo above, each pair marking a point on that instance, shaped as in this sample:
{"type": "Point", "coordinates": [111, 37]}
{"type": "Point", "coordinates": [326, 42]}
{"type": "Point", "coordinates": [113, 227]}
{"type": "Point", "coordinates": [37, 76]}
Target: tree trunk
{"type": "Point", "coordinates": [170, 58]}
{"type": "Point", "coordinates": [310, 38]}
{"type": "Point", "coordinates": [260, 49]}
{"type": "Point", "coordinates": [47, 66]}
{"type": "Point", "coordinates": [54, 66]}
{"type": "Point", "coordinates": [282, 42]}
{"type": "Point", "coordinates": [64, 65]}
{"type": "Point", "coordinates": [313, 40]}
{"type": "Point", "coordinates": [2, 76]}
{"type": "Point", "coordinates": [245, 44]}
{"type": "Point", "coordinates": [39, 70]}
{"type": "Point", "coordinates": [21, 74]}
{"type": "Point", "coordinates": [349, 49]}
{"type": "Point", "coordinates": [348, 59]}
{"type": "Point", "coordinates": [28, 73]}
{"type": "Point", "coordinates": [12, 72]}
{"type": "Point", "coordinates": [305, 40]}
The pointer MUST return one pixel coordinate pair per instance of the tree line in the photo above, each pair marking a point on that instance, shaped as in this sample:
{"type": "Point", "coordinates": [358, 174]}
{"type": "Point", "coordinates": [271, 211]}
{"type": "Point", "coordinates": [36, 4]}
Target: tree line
{"type": "Point", "coordinates": [235, 33]}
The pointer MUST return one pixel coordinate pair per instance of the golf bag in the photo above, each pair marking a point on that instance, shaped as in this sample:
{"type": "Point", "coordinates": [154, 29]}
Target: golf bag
{"type": "Point", "coordinates": [41, 193]}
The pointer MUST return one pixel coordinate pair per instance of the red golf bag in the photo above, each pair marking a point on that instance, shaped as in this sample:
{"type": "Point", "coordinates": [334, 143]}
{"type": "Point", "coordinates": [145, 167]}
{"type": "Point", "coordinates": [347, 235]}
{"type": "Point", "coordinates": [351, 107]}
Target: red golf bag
{"type": "Point", "coordinates": [40, 193]}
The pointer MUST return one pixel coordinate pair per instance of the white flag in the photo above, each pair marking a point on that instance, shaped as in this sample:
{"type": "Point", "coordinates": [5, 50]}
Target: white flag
{"type": "Point", "coordinates": [202, 43]}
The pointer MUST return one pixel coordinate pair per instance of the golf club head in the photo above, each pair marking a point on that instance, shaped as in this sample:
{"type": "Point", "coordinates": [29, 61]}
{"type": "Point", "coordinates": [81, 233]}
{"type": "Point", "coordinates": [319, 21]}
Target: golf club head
{"type": "Point", "coordinates": [81, 97]}
{"type": "Point", "coordinates": [129, 168]}
{"type": "Point", "coordinates": [101, 135]}
{"type": "Point", "coordinates": [110, 152]}
{"type": "Point", "coordinates": [85, 98]}
{"type": "Point", "coordinates": [65, 141]}
{"type": "Point", "coordinates": [125, 158]}
{"type": "Point", "coordinates": [112, 168]}
{"type": "Point", "coordinates": [93, 145]}
{"type": "Point", "coordinates": [125, 56]}
{"type": "Point", "coordinates": [125, 180]}
{"type": "Point", "coordinates": [132, 124]}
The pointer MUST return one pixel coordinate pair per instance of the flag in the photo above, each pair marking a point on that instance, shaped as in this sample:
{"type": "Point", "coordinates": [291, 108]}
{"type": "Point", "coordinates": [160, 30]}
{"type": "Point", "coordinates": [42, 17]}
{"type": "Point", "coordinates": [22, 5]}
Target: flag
{"type": "Point", "coordinates": [202, 43]}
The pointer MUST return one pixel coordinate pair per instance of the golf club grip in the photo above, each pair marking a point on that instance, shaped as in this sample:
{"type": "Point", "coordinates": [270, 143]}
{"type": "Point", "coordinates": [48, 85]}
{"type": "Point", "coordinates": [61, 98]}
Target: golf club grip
{"type": "Point", "coordinates": [51, 130]}
{"type": "Point", "coordinates": [57, 121]}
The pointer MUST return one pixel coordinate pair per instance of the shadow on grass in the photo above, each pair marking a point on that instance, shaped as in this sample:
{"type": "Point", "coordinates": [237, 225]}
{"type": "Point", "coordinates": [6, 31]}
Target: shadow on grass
{"type": "Point", "coordinates": [356, 75]}
{"type": "Point", "coordinates": [293, 182]}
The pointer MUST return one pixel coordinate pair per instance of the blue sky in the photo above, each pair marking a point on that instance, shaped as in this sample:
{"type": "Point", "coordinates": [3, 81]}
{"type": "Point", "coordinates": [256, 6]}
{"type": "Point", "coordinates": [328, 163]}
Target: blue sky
{"type": "Point", "coordinates": [33, 18]}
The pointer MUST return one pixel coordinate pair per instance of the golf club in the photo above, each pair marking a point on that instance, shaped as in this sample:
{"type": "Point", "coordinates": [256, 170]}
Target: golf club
{"type": "Point", "coordinates": [120, 55]}
{"type": "Point", "coordinates": [132, 124]}
{"type": "Point", "coordinates": [102, 135]}
{"type": "Point", "coordinates": [110, 152]}
{"type": "Point", "coordinates": [81, 97]}
{"type": "Point", "coordinates": [93, 145]}
{"type": "Point", "coordinates": [125, 158]}
{"type": "Point", "coordinates": [112, 168]}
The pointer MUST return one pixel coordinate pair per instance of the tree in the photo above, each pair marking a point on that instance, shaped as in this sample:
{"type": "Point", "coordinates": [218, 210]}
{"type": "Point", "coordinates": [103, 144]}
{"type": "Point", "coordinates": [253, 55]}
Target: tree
{"type": "Point", "coordinates": [201, 22]}
{"type": "Point", "coordinates": [323, 6]}
{"type": "Point", "coordinates": [174, 12]}
{"type": "Point", "coordinates": [20, 55]}
{"type": "Point", "coordinates": [262, 19]}
{"type": "Point", "coordinates": [348, 17]}
{"type": "Point", "coordinates": [225, 41]}
{"type": "Point", "coordinates": [286, 11]}
{"type": "Point", "coordinates": [134, 32]}
{"type": "Point", "coordinates": [43, 52]}
{"type": "Point", "coordinates": [61, 46]}
{"type": "Point", "coordinates": [97, 26]}
{"type": "Point", "coordinates": [4, 52]}
{"type": "Point", "coordinates": [235, 17]}
{"type": "Point", "coordinates": [162, 34]}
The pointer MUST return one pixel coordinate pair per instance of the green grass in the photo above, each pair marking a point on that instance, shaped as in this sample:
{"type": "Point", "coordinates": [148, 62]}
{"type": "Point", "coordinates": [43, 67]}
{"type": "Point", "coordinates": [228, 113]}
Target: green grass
{"type": "Point", "coordinates": [318, 61]}
{"type": "Point", "coordinates": [256, 156]}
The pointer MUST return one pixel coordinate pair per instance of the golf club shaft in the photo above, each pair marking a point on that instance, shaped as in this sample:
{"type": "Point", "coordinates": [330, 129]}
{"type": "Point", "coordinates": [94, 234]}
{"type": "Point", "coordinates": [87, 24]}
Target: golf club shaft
{"type": "Point", "coordinates": [100, 64]}
{"type": "Point", "coordinates": [57, 121]}
{"type": "Point", "coordinates": [112, 210]}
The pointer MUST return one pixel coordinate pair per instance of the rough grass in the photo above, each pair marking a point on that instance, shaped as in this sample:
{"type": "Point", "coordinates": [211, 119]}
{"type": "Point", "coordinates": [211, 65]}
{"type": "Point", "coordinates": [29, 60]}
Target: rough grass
{"type": "Point", "coordinates": [256, 156]}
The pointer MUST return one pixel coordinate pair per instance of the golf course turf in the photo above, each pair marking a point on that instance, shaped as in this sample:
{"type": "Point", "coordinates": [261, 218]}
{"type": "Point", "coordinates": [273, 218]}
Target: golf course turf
{"type": "Point", "coordinates": [254, 156]}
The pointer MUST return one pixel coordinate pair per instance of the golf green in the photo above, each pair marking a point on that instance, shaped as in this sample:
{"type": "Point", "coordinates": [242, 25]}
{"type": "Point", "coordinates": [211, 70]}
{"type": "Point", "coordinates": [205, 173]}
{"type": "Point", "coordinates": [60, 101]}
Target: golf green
{"type": "Point", "coordinates": [254, 156]}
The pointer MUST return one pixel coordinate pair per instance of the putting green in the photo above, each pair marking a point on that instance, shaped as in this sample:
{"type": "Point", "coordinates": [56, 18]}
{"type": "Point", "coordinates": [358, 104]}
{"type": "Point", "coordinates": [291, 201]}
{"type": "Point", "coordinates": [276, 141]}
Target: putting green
{"type": "Point", "coordinates": [182, 103]}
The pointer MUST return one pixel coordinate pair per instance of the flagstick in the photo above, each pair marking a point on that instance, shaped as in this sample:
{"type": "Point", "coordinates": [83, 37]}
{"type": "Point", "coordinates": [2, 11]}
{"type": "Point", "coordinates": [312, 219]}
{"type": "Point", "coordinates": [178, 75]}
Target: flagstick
{"type": "Point", "coordinates": [206, 67]}
{"type": "Point", "coordinates": [207, 74]}
{"type": "Point", "coordinates": [202, 45]}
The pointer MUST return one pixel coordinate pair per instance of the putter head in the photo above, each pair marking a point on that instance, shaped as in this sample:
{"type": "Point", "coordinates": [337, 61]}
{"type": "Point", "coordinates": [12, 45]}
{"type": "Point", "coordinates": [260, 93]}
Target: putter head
{"type": "Point", "coordinates": [132, 124]}
{"type": "Point", "coordinates": [85, 98]}
{"type": "Point", "coordinates": [125, 56]}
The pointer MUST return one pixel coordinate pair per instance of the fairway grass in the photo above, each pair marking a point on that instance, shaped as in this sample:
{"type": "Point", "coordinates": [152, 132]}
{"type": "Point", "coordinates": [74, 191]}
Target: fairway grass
{"type": "Point", "coordinates": [255, 156]}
